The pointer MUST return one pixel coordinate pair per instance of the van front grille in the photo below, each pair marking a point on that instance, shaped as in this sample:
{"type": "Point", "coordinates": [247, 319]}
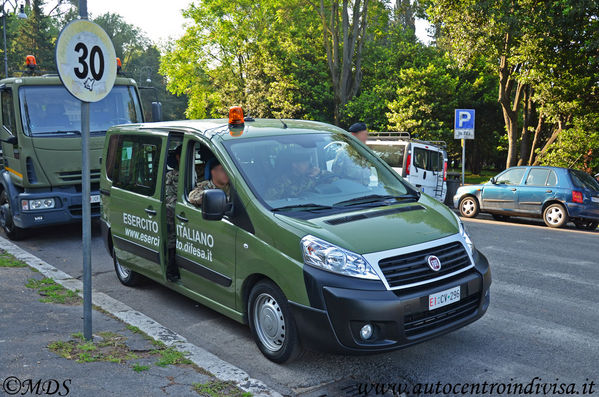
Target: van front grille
{"type": "Point", "coordinates": [418, 323]}
{"type": "Point", "coordinates": [411, 268]}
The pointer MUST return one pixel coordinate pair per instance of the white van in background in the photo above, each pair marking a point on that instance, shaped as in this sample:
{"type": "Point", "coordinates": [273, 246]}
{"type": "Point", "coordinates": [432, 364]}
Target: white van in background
{"type": "Point", "coordinates": [422, 163]}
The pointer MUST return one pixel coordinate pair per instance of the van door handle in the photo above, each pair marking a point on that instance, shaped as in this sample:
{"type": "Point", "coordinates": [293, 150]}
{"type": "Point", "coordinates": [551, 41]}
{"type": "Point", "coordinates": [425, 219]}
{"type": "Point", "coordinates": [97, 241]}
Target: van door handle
{"type": "Point", "coordinates": [548, 191]}
{"type": "Point", "coordinates": [424, 176]}
{"type": "Point", "coordinates": [182, 218]}
{"type": "Point", "coordinates": [150, 211]}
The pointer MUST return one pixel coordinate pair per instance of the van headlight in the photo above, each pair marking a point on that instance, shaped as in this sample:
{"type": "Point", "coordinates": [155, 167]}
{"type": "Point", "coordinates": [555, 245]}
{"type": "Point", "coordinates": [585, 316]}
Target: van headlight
{"type": "Point", "coordinates": [327, 256]}
{"type": "Point", "coordinates": [464, 234]}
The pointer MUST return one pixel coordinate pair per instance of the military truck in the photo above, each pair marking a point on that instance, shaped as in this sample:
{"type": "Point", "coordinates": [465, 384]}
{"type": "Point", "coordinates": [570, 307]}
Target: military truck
{"type": "Point", "coordinates": [40, 172]}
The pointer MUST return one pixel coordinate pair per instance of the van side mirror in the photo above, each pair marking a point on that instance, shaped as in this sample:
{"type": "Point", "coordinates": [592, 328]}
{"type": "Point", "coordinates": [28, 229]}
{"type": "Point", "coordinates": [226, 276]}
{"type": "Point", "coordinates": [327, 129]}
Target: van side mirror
{"type": "Point", "coordinates": [214, 204]}
{"type": "Point", "coordinates": [12, 140]}
{"type": "Point", "coordinates": [156, 111]}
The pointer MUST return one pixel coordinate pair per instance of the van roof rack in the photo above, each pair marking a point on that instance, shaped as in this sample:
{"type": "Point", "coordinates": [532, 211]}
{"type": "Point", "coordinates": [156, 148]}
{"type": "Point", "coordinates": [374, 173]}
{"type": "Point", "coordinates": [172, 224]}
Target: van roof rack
{"type": "Point", "coordinates": [403, 136]}
{"type": "Point", "coordinates": [389, 135]}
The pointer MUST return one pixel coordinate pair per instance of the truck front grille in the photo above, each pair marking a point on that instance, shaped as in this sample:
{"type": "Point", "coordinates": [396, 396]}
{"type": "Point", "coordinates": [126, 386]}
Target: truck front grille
{"type": "Point", "coordinates": [75, 176]}
{"type": "Point", "coordinates": [77, 210]}
{"type": "Point", "coordinates": [412, 268]}
{"type": "Point", "coordinates": [419, 323]}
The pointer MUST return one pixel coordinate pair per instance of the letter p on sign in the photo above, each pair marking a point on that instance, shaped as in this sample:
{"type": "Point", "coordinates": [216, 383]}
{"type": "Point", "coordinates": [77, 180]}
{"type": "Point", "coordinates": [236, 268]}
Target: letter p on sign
{"type": "Point", "coordinates": [464, 124]}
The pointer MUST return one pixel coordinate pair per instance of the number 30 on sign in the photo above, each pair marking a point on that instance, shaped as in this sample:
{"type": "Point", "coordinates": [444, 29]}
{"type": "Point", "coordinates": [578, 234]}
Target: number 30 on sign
{"type": "Point", "coordinates": [86, 60]}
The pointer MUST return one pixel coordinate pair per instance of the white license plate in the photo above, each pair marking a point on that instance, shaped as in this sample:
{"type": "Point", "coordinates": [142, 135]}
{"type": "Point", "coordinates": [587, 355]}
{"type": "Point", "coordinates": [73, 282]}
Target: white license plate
{"type": "Point", "coordinates": [94, 198]}
{"type": "Point", "coordinates": [443, 298]}
{"type": "Point", "coordinates": [595, 199]}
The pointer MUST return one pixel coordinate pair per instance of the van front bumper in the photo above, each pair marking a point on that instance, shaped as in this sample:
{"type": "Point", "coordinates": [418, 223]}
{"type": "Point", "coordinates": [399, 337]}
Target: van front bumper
{"type": "Point", "coordinates": [399, 319]}
{"type": "Point", "coordinates": [67, 209]}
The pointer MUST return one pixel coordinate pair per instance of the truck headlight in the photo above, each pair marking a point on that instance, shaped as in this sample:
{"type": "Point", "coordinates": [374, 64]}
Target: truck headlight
{"type": "Point", "coordinates": [38, 204]}
{"type": "Point", "coordinates": [327, 256]}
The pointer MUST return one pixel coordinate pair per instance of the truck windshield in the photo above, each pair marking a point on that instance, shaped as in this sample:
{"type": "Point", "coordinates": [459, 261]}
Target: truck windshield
{"type": "Point", "coordinates": [315, 172]}
{"type": "Point", "coordinates": [51, 110]}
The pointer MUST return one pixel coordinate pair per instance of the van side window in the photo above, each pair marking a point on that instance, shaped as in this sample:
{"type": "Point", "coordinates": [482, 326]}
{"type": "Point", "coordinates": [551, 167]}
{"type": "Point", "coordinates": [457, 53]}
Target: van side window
{"type": "Point", "coordinates": [136, 165]}
{"type": "Point", "coordinates": [8, 115]}
{"type": "Point", "coordinates": [111, 155]}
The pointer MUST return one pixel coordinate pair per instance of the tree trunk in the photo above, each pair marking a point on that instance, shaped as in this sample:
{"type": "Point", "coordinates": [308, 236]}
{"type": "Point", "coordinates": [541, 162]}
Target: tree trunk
{"type": "Point", "coordinates": [509, 106]}
{"type": "Point", "coordinates": [527, 116]}
{"type": "Point", "coordinates": [536, 138]}
{"type": "Point", "coordinates": [549, 142]}
{"type": "Point", "coordinates": [345, 36]}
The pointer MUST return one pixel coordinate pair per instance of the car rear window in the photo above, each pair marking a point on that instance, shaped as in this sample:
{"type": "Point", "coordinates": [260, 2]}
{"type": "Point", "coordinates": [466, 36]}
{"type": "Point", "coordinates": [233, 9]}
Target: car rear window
{"type": "Point", "coordinates": [583, 180]}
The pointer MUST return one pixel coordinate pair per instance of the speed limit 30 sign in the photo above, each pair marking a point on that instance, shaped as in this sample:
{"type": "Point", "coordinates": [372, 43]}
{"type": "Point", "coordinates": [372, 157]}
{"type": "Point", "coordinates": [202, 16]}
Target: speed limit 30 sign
{"type": "Point", "coordinates": [86, 60]}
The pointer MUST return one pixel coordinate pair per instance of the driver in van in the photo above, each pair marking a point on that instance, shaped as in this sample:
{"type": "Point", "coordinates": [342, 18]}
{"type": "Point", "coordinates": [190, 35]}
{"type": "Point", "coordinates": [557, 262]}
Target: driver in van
{"type": "Point", "coordinates": [301, 177]}
{"type": "Point", "coordinates": [215, 178]}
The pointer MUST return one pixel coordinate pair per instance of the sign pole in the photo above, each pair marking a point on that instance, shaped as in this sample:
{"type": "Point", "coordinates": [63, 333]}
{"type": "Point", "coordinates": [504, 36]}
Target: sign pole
{"type": "Point", "coordinates": [86, 64]}
{"type": "Point", "coordinates": [86, 208]}
{"type": "Point", "coordinates": [463, 160]}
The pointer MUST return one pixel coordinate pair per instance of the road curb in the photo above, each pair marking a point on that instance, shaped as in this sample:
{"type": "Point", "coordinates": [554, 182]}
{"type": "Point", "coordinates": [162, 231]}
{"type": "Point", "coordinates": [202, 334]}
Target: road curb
{"type": "Point", "coordinates": [221, 369]}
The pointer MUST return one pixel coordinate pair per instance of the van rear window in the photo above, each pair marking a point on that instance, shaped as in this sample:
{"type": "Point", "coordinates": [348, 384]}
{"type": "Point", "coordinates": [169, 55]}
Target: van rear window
{"type": "Point", "coordinates": [390, 154]}
{"type": "Point", "coordinates": [428, 160]}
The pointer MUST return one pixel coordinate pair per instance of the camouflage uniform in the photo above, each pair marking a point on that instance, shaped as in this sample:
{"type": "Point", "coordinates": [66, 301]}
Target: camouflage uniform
{"type": "Point", "coordinates": [195, 196]}
{"type": "Point", "coordinates": [172, 180]}
{"type": "Point", "coordinates": [345, 167]}
{"type": "Point", "coordinates": [292, 185]}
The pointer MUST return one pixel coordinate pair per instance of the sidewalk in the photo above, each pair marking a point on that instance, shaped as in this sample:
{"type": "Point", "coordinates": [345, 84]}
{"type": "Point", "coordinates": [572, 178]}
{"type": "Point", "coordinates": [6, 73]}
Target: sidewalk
{"type": "Point", "coordinates": [42, 351]}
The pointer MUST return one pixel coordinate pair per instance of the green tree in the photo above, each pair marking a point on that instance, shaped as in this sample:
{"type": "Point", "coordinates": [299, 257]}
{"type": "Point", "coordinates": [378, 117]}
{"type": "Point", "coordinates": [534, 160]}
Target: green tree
{"type": "Point", "coordinates": [541, 52]}
{"type": "Point", "coordinates": [262, 55]}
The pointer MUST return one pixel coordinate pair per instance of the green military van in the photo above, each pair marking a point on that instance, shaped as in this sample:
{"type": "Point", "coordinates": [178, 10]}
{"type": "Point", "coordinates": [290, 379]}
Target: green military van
{"type": "Point", "coordinates": [319, 243]}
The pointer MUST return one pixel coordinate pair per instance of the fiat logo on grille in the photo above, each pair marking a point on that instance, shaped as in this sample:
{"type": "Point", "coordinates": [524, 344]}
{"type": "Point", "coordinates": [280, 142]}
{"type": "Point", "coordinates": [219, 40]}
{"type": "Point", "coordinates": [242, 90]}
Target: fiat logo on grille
{"type": "Point", "coordinates": [434, 263]}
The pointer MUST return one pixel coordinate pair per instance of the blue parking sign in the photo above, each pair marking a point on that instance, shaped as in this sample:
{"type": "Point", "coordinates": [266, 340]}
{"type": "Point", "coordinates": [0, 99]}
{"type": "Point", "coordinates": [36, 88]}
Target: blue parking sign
{"type": "Point", "coordinates": [464, 124]}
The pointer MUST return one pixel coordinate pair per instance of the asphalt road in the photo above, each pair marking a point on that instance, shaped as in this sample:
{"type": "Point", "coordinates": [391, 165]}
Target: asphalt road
{"type": "Point", "coordinates": [542, 322]}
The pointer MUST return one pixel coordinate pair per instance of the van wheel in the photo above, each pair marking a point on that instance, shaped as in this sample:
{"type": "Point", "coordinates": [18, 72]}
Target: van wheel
{"type": "Point", "coordinates": [555, 215]}
{"type": "Point", "coordinates": [272, 324]}
{"type": "Point", "coordinates": [125, 275]}
{"type": "Point", "coordinates": [12, 231]}
{"type": "Point", "coordinates": [469, 207]}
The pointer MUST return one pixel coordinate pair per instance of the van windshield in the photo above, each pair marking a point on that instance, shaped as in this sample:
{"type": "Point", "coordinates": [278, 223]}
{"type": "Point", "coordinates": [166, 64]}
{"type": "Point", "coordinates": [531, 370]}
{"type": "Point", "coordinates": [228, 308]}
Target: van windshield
{"type": "Point", "coordinates": [51, 110]}
{"type": "Point", "coordinates": [390, 154]}
{"type": "Point", "coordinates": [315, 173]}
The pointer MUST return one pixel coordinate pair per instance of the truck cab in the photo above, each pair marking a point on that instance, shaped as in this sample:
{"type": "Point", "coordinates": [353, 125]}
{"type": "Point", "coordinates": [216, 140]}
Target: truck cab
{"type": "Point", "coordinates": [40, 173]}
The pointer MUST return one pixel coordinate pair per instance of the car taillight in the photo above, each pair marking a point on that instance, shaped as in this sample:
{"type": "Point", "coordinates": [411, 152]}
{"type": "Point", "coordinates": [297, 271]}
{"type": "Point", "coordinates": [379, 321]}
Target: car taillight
{"type": "Point", "coordinates": [577, 197]}
{"type": "Point", "coordinates": [444, 170]}
{"type": "Point", "coordinates": [408, 162]}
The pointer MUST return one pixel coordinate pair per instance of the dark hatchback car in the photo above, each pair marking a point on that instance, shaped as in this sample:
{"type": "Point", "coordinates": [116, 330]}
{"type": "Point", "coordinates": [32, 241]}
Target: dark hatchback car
{"type": "Point", "coordinates": [558, 195]}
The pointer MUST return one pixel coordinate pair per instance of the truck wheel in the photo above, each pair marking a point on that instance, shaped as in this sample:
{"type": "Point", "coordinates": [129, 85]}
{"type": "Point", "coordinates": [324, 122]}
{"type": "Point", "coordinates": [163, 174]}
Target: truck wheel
{"type": "Point", "coordinates": [12, 231]}
{"type": "Point", "coordinates": [272, 324]}
{"type": "Point", "coordinates": [125, 275]}
{"type": "Point", "coordinates": [555, 215]}
{"type": "Point", "coordinates": [469, 207]}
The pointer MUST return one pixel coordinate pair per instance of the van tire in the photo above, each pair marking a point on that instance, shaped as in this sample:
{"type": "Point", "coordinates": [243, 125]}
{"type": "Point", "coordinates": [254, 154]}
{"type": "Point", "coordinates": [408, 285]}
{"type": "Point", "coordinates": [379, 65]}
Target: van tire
{"type": "Point", "coordinates": [272, 324]}
{"type": "Point", "coordinates": [126, 276]}
{"type": "Point", "coordinates": [555, 215]}
{"type": "Point", "coordinates": [469, 207]}
{"type": "Point", "coordinates": [12, 231]}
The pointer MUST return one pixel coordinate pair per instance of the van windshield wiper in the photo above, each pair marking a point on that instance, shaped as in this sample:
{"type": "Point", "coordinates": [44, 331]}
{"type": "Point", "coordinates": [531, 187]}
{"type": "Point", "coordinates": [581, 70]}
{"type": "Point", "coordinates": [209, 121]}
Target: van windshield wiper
{"type": "Point", "coordinates": [303, 207]}
{"type": "Point", "coordinates": [76, 132]}
{"type": "Point", "coordinates": [373, 198]}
